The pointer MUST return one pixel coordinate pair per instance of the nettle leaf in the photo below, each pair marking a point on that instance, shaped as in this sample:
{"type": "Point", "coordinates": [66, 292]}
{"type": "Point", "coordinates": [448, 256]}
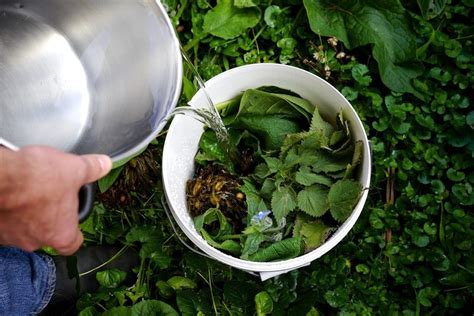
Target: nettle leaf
{"type": "Point", "coordinates": [283, 202]}
{"type": "Point", "coordinates": [110, 278]}
{"type": "Point", "coordinates": [274, 164]}
{"type": "Point", "coordinates": [342, 198]}
{"type": "Point", "coordinates": [306, 177]}
{"type": "Point", "coordinates": [227, 21]}
{"type": "Point", "coordinates": [327, 163]}
{"type": "Point", "coordinates": [385, 24]}
{"type": "Point", "coordinates": [319, 124]}
{"type": "Point", "coordinates": [313, 200]}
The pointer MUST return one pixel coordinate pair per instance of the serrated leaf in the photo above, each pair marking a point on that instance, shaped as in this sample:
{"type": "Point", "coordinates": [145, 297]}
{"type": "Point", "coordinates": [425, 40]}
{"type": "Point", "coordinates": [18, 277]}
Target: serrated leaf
{"type": "Point", "coordinates": [313, 200]}
{"type": "Point", "coordinates": [319, 124]}
{"type": "Point", "coordinates": [228, 21]}
{"type": "Point", "coordinates": [283, 202]}
{"type": "Point", "coordinates": [273, 164]}
{"type": "Point", "coordinates": [342, 198]}
{"type": "Point", "coordinates": [327, 163]}
{"type": "Point", "coordinates": [306, 177]}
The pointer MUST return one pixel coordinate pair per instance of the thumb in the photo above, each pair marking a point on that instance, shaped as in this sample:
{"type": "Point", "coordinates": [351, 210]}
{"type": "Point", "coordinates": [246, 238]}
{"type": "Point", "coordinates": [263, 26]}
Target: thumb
{"type": "Point", "coordinates": [94, 167]}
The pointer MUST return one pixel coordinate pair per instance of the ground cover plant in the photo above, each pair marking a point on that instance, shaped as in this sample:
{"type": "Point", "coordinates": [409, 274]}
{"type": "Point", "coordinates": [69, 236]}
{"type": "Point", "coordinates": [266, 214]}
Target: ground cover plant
{"type": "Point", "coordinates": [408, 71]}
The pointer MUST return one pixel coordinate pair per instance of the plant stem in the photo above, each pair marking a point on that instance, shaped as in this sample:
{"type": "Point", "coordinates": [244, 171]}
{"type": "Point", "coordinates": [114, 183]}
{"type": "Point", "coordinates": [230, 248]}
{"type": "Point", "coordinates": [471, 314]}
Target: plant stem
{"type": "Point", "coordinates": [118, 254]}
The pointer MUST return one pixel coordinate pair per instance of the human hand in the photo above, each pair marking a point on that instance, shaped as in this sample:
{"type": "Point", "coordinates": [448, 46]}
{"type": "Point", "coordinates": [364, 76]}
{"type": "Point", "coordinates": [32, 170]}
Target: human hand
{"type": "Point", "coordinates": [39, 196]}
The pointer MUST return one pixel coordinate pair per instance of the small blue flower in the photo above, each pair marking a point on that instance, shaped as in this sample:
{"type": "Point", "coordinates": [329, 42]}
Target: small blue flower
{"type": "Point", "coordinates": [262, 214]}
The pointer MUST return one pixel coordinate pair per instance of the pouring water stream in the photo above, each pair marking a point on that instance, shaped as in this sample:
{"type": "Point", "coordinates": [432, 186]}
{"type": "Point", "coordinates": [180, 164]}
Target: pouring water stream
{"type": "Point", "coordinates": [208, 115]}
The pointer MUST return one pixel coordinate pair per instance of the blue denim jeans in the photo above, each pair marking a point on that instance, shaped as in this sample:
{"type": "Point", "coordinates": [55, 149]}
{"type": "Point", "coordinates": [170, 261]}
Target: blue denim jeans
{"type": "Point", "coordinates": [27, 281]}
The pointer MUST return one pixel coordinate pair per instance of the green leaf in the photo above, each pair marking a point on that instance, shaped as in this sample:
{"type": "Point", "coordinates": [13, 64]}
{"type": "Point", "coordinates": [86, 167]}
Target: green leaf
{"type": "Point", "coordinates": [254, 201]}
{"type": "Point", "coordinates": [314, 232]}
{"type": "Point", "coordinates": [179, 282]}
{"type": "Point", "coordinates": [283, 202]}
{"type": "Point", "coordinates": [263, 303]}
{"type": "Point", "coordinates": [385, 24]}
{"type": "Point", "coordinates": [431, 8]}
{"type": "Point", "coordinates": [280, 250]}
{"type": "Point", "coordinates": [216, 238]}
{"type": "Point", "coordinates": [252, 243]}
{"type": "Point", "coordinates": [111, 278]}
{"type": "Point", "coordinates": [271, 128]}
{"type": "Point", "coordinates": [90, 311]}
{"type": "Point", "coordinates": [228, 21]}
{"type": "Point", "coordinates": [261, 102]}
{"type": "Point", "coordinates": [153, 308]}
{"type": "Point", "coordinates": [164, 289]}
{"type": "Point", "coordinates": [313, 200]}
{"type": "Point", "coordinates": [246, 3]}
{"type": "Point", "coordinates": [306, 177]}
{"type": "Point", "coordinates": [342, 198]}
{"type": "Point", "coordinates": [238, 293]}
{"type": "Point", "coordinates": [320, 125]}
{"type": "Point", "coordinates": [271, 15]}
{"type": "Point", "coordinates": [106, 182]}
{"type": "Point", "coordinates": [118, 311]}
{"type": "Point", "coordinates": [360, 73]}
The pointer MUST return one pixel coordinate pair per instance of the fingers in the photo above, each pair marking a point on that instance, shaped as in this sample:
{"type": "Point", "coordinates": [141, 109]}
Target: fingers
{"type": "Point", "coordinates": [94, 167]}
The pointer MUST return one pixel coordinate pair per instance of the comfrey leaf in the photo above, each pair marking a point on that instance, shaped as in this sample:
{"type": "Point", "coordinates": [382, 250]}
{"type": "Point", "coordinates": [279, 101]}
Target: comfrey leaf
{"type": "Point", "coordinates": [342, 198]}
{"type": "Point", "coordinates": [281, 250]}
{"type": "Point", "coordinates": [227, 21]}
{"type": "Point", "coordinates": [384, 24]}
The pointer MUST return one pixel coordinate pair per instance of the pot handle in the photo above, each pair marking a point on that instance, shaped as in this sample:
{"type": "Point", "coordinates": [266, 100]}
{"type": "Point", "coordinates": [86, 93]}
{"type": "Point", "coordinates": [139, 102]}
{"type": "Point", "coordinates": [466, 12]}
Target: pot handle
{"type": "Point", "coordinates": [86, 201]}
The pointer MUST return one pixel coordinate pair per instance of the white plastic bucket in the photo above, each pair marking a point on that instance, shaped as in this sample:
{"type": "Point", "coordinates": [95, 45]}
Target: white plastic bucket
{"type": "Point", "coordinates": [181, 145]}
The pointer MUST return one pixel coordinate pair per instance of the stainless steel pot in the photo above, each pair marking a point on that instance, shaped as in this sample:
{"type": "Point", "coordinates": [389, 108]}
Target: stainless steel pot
{"type": "Point", "coordinates": [87, 76]}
